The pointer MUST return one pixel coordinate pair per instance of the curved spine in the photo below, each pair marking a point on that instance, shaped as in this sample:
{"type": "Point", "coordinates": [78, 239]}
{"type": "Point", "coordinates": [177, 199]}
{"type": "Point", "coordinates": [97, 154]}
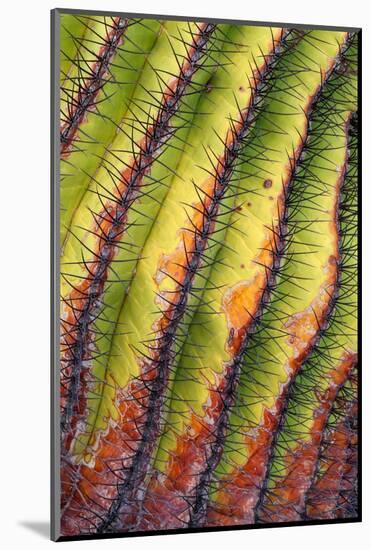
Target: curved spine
{"type": "Point", "coordinates": [208, 275]}
{"type": "Point", "coordinates": [291, 326]}
{"type": "Point", "coordinates": [84, 98]}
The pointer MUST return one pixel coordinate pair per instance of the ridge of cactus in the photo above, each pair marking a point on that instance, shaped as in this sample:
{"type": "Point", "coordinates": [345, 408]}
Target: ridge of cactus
{"type": "Point", "coordinates": [107, 387]}
{"type": "Point", "coordinates": [112, 292]}
{"type": "Point", "coordinates": [83, 99]}
{"type": "Point", "coordinates": [194, 449]}
{"type": "Point", "coordinates": [93, 154]}
{"type": "Point", "coordinates": [333, 491]}
{"type": "Point", "coordinates": [199, 510]}
{"type": "Point", "coordinates": [171, 316]}
{"type": "Point", "coordinates": [337, 446]}
{"type": "Point", "coordinates": [208, 231]}
{"type": "Point", "coordinates": [294, 303]}
{"type": "Point", "coordinates": [161, 353]}
{"type": "Point", "coordinates": [111, 222]}
{"type": "Point", "coordinates": [314, 389]}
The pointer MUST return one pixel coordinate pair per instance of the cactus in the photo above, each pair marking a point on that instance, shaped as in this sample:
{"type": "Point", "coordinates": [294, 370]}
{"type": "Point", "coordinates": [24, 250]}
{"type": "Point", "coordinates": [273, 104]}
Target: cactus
{"type": "Point", "coordinates": [208, 245]}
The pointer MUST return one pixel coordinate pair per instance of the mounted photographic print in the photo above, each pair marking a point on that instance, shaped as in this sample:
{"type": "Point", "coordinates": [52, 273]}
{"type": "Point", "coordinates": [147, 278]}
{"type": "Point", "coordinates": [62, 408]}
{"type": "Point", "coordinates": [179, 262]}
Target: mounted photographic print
{"type": "Point", "coordinates": [205, 274]}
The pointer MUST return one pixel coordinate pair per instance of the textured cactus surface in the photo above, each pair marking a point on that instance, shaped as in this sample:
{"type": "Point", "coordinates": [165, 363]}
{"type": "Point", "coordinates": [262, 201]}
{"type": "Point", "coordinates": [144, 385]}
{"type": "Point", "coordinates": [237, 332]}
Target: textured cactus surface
{"type": "Point", "coordinates": [208, 253]}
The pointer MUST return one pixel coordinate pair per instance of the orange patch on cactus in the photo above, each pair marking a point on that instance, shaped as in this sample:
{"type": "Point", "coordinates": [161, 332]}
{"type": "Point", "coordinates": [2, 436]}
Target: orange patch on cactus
{"type": "Point", "coordinates": [241, 301]}
{"type": "Point", "coordinates": [108, 227]}
{"type": "Point", "coordinates": [186, 461]}
{"type": "Point", "coordinates": [238, 492]}
{"type": "Point", "coordinates": [286, 501]}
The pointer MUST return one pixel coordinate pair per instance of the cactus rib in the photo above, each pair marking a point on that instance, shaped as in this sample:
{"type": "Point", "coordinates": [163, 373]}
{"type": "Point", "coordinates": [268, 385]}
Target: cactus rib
{"type": "Point", "coordinates": [276, 317]}
{"type": "Point", "coordinates": [111, 224]}
{"type": "Point", "coordinates": [208, 310]}
{"type": "Point", "coordinates": [235, 144]}
{"type": "Point", "coordinates": [162, 356]}
{"type": "Point", "coordinates": [199, 510]}
{"type": "Point", "coordinates": [85, 96]}
{"type": "Point", "coordinates": [311, 394]}
{"type": "Point", "coordinates": [331, 493]}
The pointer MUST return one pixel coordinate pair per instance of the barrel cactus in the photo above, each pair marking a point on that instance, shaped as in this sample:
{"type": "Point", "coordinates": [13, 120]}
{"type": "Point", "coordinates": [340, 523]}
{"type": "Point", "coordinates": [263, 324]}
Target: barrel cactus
{"type": "Point", "coordinates": [208, 274]}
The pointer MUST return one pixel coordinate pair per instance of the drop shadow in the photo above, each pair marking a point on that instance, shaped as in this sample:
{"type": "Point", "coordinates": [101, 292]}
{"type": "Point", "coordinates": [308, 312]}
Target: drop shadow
{"type": "Point", "coordinates": [41, 528]}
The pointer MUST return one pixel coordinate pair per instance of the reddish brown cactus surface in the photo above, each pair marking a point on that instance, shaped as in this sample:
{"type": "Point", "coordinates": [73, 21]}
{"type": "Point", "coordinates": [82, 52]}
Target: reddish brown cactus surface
{"type": "Point", "coordinates": [208, 275]}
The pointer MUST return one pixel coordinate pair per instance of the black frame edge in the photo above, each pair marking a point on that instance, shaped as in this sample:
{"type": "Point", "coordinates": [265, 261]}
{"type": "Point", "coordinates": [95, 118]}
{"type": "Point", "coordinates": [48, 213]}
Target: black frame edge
{"type": "Point", "coordinates": [54, 284]}
{"type": "Point", "coordinates": [210, 529]}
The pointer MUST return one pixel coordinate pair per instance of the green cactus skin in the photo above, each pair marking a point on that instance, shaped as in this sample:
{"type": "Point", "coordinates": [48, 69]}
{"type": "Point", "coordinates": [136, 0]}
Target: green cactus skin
{"type": "Point", "coordinates": [208, 279]}
{"type": "Point", "coordinates": [333, 491]}
{"type": "Point", "coordinates": [337, 458]}
{"type": "Point", "coordinates": [274, 355]}
{"type": "Point", "coordinates": [322, 375]}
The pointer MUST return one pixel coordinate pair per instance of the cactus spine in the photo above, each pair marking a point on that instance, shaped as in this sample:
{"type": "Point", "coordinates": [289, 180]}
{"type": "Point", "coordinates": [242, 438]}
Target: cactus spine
{"type": "Point", "coordinates": [208, 274]}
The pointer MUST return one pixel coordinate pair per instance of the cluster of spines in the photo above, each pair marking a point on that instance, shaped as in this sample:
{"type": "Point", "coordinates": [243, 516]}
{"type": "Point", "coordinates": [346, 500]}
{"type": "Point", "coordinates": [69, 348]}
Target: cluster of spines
{"type": "Point", "coordinates": [334, 489]}
{"type": "Point", "coordinates": [164, 109]}
{"type": "Point", "coordinates": [111, 223]}
{"type": "Point", "coordinates": [161, 350]}
{"type": "Point", "coordinates": [304, 388]}
{"type": "Point", "coordinates": [90, 82]}
{"type": "Point", "coordinates": [296, 200]}
{"type": "Point", "coordinates": [198, 515]}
